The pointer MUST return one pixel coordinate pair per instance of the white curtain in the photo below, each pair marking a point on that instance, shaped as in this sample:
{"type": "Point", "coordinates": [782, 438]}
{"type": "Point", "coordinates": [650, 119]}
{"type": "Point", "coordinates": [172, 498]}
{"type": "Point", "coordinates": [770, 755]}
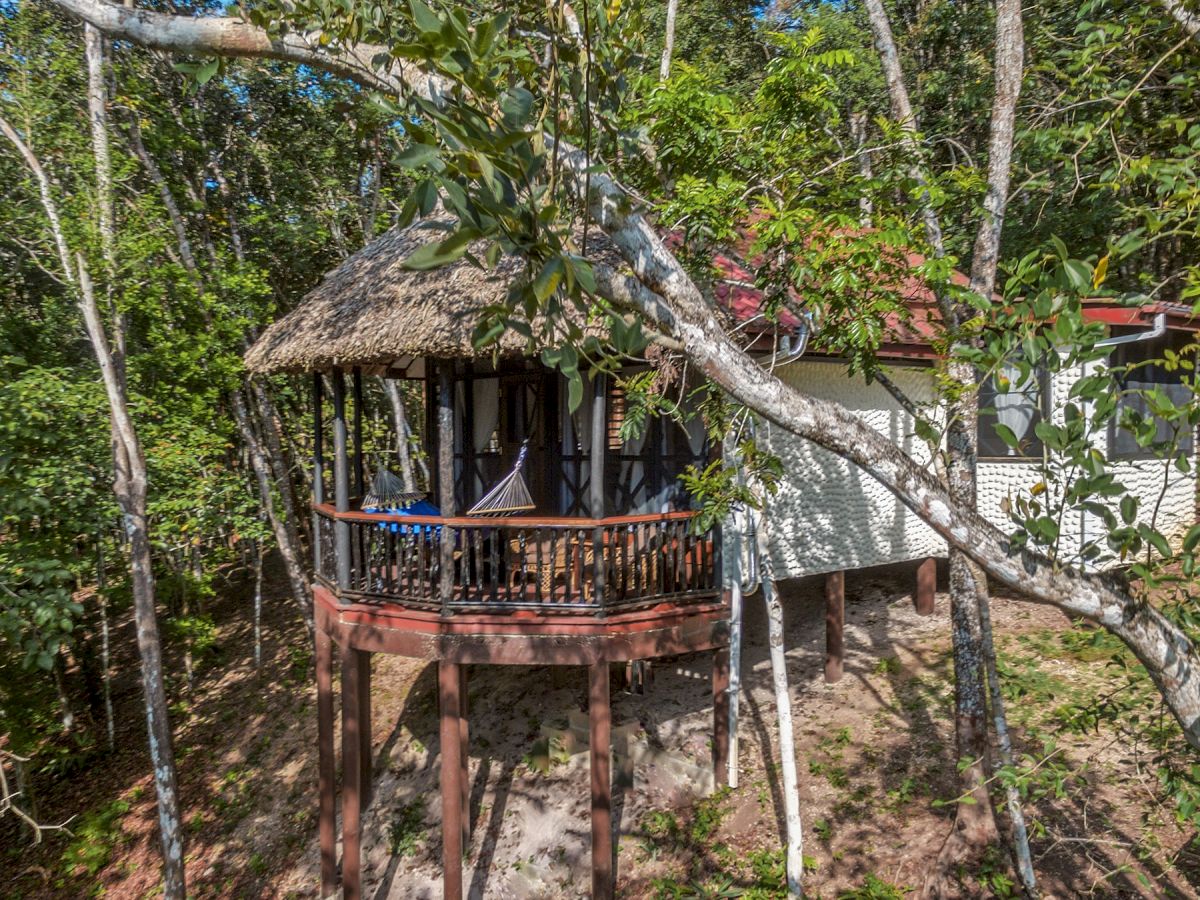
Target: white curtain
{"type": "Point", "coordinates": [1018, 407]}
{"type": "Point", "coordinates": [633, 471]}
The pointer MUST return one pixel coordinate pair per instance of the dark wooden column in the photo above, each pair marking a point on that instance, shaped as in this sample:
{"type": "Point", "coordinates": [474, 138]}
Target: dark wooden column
{"type": "Point", "coordinates": [596, 483]}
{"type": "Point", "coordinates": [341, 481]}
{"type": "Point", "coordinates": [451, 740]}
{"type": "Point", "coordinates": [835, 623]}
{"type": "Point", "coordinates": [445, 464]}
{"type": "Point", "coordinates": [364, 725]}
{"type": "Point", "coordinates": [352, 769]}
{"type": "Point", "coordinates": [359, 471]}
{"type": "Point", "coordinates": [720, 689]}
{"type": "Point", "coordinates": [926, 587]}
{"type": "Point", "coordinates": [464, 709]}
{"type": "Point", "coordinates": [326, 765]}
{"type": "Point", "coordinates": [600, 721]}
{"type": "Point", "coordinates": [318, 464]}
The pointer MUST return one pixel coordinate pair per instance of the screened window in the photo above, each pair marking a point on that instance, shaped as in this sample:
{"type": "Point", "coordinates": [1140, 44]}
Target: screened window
{"type": "Point", "coordinates": [1121, 441]}
{"type": "Point", "coordinates": [1020, 408]}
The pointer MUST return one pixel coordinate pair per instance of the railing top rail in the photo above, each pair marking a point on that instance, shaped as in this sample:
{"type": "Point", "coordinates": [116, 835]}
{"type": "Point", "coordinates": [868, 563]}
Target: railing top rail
{"type": "Point", "coordinates": [327, 510]}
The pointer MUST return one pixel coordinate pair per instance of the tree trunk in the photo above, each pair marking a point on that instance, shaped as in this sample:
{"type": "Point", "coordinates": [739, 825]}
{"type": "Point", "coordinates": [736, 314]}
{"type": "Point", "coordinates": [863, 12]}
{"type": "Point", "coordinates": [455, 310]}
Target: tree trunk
{"type": "Point", "coordinates": [105, 667]}
{"type": "Point", "coordinates": [794, 850]}
{"type": "Point", "coordinates": [400, 423]}
{"type": "Point", "coordinates": [130, 488]}
{"type": "Point", "coordinates": [297, 578]}
{"type": "Point", "coordinates": [664, 66]}
{"type": "Point", "coordinates": [258, 593]}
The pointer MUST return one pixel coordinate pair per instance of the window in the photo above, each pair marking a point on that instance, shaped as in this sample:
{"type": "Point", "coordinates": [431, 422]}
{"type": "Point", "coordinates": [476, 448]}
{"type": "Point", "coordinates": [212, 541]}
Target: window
{"type": "Point", "coordinates": [1121, 442]}
{"type": "Point", "coordinates": [1020, 408]}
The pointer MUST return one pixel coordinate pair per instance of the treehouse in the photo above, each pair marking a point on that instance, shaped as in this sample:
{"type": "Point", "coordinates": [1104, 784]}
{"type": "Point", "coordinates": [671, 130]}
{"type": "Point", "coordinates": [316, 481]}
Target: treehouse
{"type": "Point", "coordinates": [545, 538]}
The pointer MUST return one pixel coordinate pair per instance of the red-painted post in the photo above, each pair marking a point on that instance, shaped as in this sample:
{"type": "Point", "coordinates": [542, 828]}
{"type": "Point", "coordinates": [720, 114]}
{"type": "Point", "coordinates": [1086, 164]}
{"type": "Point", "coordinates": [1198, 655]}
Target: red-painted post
{"type": "Point", "coordinates": [352, 768]}
{"type": "Point", "coordinates": [720, 689]}
{"type": "Point", "coordinates": [326, 764]}
{"type": "Point", "coordinates": [600, 722]}
{"type": "Point", "coordinates": [835, 624]}
{"type": "Point", "coordinates": [451, 739]}
{"type": "Point", "coordinates": [464, 752]}
{"type": "Point", "coordinates": [364, 727]}
{"type": "Point", "coordinates": [926, 587]}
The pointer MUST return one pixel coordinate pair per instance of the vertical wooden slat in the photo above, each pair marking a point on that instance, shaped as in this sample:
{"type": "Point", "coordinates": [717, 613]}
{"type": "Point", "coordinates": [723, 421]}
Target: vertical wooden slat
{"type": "Point", "coordinates": [326, 765]}
{"type": "Point", "coordinates": [451, 741]}
{"type": "Point", "coordinates": [835, 623]}
{"type": "Point", "coordinates": [600, 727]}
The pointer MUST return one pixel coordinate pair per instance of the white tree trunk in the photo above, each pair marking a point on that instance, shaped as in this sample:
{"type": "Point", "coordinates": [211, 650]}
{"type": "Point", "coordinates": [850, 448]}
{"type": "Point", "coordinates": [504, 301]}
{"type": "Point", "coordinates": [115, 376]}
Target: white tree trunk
{"type": "Point", "coordinates": [794, 854]}
{"type": "Point", "coordinates": [664, 66]}
{"type": "Point", "coordinates": [400, 425]}
{"type": "Point", "coordinates": [258, 595]}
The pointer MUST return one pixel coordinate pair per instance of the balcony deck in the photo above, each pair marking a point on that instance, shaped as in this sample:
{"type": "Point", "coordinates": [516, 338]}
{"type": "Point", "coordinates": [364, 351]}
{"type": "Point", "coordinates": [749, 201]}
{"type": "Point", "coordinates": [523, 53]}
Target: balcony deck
{"type": "Point", "coordinates": [519, 563]}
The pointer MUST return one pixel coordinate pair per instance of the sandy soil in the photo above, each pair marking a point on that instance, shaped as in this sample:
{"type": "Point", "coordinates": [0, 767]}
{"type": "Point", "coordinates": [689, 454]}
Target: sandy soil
{"type": "Point", "coordinates": [875, 751]}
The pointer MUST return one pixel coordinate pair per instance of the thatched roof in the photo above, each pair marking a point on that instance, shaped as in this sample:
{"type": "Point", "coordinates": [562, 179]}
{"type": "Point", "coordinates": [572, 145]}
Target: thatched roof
{"type": "Point", "coordinates": [371, 311]}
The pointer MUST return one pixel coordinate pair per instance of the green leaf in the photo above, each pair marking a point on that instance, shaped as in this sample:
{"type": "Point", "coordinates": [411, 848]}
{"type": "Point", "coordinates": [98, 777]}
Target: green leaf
{"type": "Point", "coordinates": [426, 20]}
{"type": "Point", "coordinates": [1129, 506]}
{"type": "Point", "coordinates": [1007, 435]}
{"type": "Point", "coordinates": [548, 279]}
{"type": "Point", "coordinates": [431, 256]}
{"type": "Point", "coordinates": [207, 70]}
{"type": "Point", "coordinates": [415, 156]}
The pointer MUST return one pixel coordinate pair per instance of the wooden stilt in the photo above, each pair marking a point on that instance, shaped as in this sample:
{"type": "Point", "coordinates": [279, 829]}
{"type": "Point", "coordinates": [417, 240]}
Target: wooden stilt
{"type": "Point", "coordinates": [351, 777]}
{"type": "Point", "coordinates": [451, 739]}
{"type": "Point", "coordinates": [464, 752]}
{"type": "Point", "coordinates": [835, 623]}
{"type": "Point", "coordinates": [326, 788]}
{"type": "Point", "coordinates": [364, 727]}
{"type": "Point", "coordinates": [720, 689]}
{"type": "Point", "coordinates": [926, 587]}
{"type": "Point", "coordinates": [600, 720]}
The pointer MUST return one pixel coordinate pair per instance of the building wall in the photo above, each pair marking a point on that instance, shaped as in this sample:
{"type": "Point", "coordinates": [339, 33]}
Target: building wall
{"type": "Point", "coordinates": [828, 515]}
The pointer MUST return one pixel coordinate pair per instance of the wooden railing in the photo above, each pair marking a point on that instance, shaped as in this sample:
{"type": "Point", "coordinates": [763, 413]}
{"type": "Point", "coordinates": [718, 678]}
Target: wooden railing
{"type": "Point", "coordinates": [520, 562]}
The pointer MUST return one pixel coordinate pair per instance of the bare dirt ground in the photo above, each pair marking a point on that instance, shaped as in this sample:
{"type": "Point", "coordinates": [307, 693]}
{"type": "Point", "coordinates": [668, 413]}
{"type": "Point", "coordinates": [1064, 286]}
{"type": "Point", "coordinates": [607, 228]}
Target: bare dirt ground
{"type": "Point", "coordinates": [874, 751]}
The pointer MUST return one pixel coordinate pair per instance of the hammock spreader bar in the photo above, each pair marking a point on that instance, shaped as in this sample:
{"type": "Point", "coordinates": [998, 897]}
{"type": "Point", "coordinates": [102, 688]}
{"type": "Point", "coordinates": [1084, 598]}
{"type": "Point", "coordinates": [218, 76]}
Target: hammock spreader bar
{"type": "Point", "coordinates": [510, 494]}
{"type": "Point", "coordinates": [387, 492]}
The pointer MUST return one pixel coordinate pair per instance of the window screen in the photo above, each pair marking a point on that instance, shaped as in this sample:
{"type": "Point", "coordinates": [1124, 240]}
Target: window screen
{"type": "Point", "coordinates": [1020, 408]}
{"type": "Point", "coordinates": [1121, 442]}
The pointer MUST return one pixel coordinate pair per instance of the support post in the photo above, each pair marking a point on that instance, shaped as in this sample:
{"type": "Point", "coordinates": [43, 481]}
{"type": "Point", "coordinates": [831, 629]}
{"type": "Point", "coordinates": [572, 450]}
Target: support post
{"type": "Point", "coordinates": [364, 727]}
{"type": "Point", "coordinates": [341, 482]}
{"type": "Point", "coordinates": [326, 764]}
{"type": "Point", "coordinates": [720, 689]}
{"type": "Point", "coordinates": [926, 587]}
{"type": "Point", "coordinates": [445, 424]}
{"type": "Point", "coordinates": [464, 708]}
{"type": "Point", "coordinates": [451, 740]}
{"type": "Point", "coordinates": [318, 464]}
{"type": "Point", "coordinates": [835, 624]}
{"type": "Point", "coordinates": [359, 472]}
{"type": "Point", "coordinates": [352, 768]}
{"type": "Point", "coordinates": [600, 722]}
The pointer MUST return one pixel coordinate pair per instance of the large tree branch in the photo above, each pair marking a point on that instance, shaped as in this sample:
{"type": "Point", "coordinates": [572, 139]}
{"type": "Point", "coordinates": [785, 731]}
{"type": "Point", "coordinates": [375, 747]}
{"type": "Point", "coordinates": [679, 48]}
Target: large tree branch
{"type": "Point", "coordinates": [664, 292]}
{"type": "Point", "coordinates": [1187, 20]}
